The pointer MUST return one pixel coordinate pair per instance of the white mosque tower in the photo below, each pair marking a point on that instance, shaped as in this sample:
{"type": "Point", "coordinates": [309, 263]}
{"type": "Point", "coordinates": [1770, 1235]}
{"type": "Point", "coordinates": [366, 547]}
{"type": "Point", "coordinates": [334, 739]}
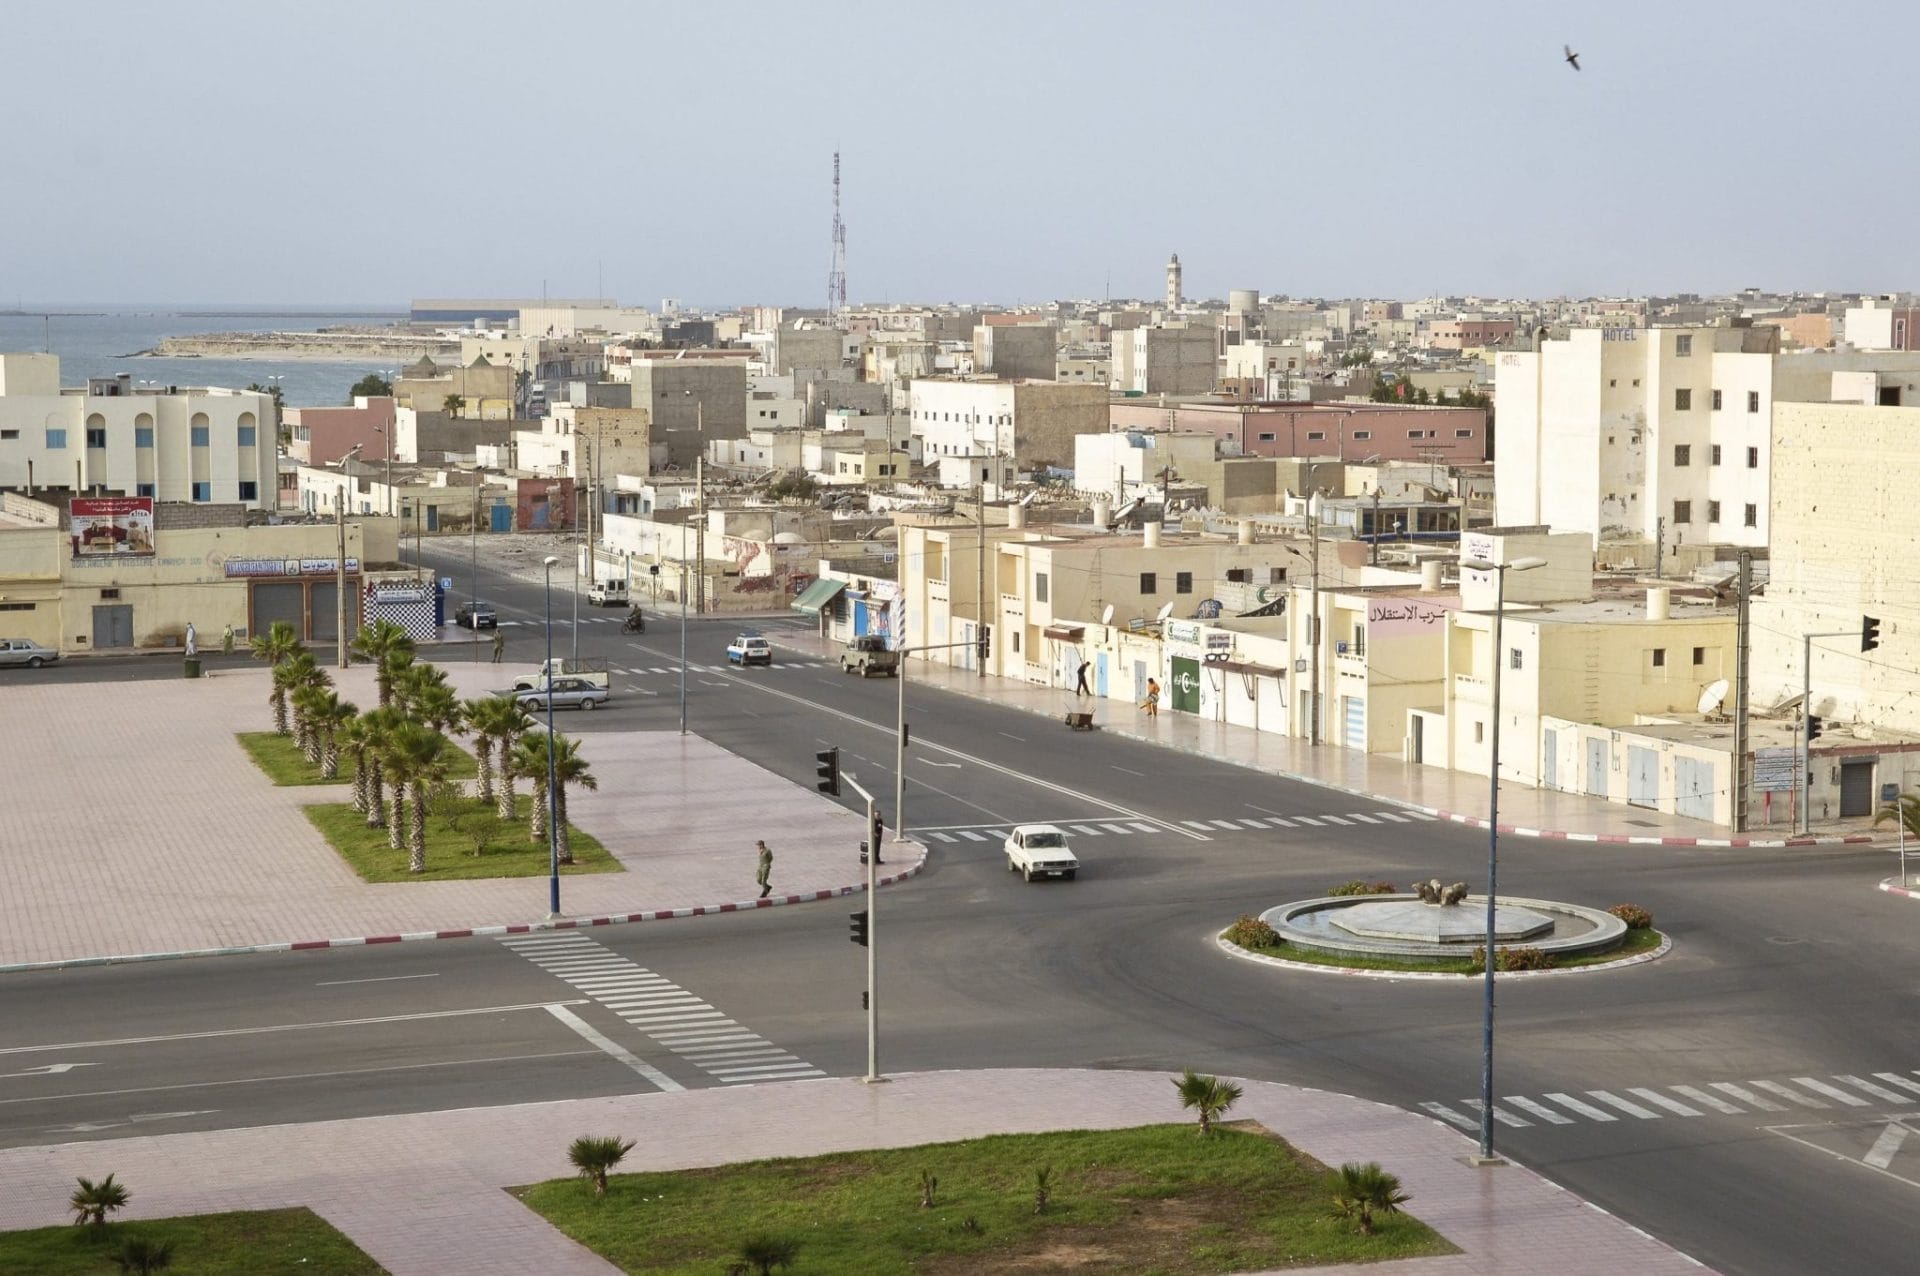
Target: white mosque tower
{"type": "Point", "coordinates": [1173, 282]}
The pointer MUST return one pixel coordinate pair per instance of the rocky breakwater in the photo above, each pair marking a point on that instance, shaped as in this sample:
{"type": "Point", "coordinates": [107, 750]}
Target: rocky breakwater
{"type": "Point", "coordinates": [342, 344]}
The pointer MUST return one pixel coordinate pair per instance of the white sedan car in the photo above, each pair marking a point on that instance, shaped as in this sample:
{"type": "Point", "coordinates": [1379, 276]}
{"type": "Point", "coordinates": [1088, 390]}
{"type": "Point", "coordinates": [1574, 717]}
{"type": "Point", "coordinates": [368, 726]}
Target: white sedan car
{"type": "Point", "coordinates": [1040, 850]}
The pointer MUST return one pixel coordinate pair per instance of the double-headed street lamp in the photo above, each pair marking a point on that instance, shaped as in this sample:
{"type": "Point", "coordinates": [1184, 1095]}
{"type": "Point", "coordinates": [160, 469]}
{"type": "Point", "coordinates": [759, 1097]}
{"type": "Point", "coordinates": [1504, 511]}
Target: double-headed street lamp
{"type": "Point", "coordinates": [1499, 571]}
{"type": "Point", "coordinates": [553, 802]}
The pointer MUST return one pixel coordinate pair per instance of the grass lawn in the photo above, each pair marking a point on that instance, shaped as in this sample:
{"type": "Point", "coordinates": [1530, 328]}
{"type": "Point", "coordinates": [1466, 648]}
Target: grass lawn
{"type": "Point", "coordinates": [450, 857]}
{"type": "Point", "coordinates": [1153, 1199]}
{"type": "Point", "coordinates": [1636, 942]}
{"type": "Point", "coordinates": [249, 1243]}
{"type": "Point", "coordinates": [284, 764]}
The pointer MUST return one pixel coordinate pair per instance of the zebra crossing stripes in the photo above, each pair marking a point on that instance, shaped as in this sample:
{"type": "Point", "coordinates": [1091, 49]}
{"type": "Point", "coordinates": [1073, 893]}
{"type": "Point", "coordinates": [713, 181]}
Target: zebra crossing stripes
{"type": "Point", "coordinates": [1652, 1103]}
{"type": "Point", "coordinates": [658, 1008]}
{"type": "Point", "coordinates": [1241, 824]}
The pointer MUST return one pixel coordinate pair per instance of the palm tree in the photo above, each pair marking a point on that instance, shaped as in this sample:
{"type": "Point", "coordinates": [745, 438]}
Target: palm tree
{"type": "Point", "coordinates": [297, 671]}
{"type": "Point", "coordinates": [1906, 811]}
{"type": "Point", "coordinates": [1359, 1190]}
{"type": "Point", "coordinates": [495, 720]}
{"type": "Point", "coordinates": [764, 1253]}
{"type": "Point", "coordinates": [435, 705]}
{"type": "Point", "coordinates": [306, 734]}
{"type": "Point", "coordinates": [569, 768]}
{"type": "Point", "coordinates": [143, 1257]}
{"type": "Point", "coordinates": [593, 1156]}
{"type": "Point", "coordinates": [371, 732]}
{"type": "Point", "coordinates": [1209, 1096]}
{"type": "Point", "coordinates": [327, 718]}
{"type": "Point", "coordinates": [374, 644]}
{"type": "Point", "coordinates": [91, 1202]}
{"type": "Point", "coordinates": [415, 758]}
{"type": "Point", "coordinates": [529, 758]}
{"type": "Point", "coordinates": [279, 642]}
{"type": "Point", "coordinates": [452, 405]}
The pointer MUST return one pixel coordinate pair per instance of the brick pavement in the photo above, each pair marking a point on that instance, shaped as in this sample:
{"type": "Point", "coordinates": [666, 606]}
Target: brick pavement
{"type": "Point", "coordinates": [138, 825]}
{"type": "Point", "coordinates": [423, 1195]}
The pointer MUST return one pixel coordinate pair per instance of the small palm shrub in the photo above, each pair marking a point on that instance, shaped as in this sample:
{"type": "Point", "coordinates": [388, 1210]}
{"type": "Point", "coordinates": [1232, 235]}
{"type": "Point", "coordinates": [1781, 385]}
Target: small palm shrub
{"type": "Point", "coordinates": [1359, 1191]}
{"type": "Point", "coordinates": [142, 1257]}
{"type": "Point", "coordinates": [929, 1184]}
{"type": "Point", "coordinates": [1357, 887]}
{"type": "Point", "coordinates": [1209, 1096]}
{"type": "Point", "coordinates": [594, 1156]}
{"type": "Point", "coordinates": [1252, 932]}
{"type": "Point", "coordinates": [1636, 917]}
{"type": "Point", "coordinates": [1042, 1188]}
{"type": "Point", "coordinates": [91, 1202]}
{"type": "Point", "coordinates": [763, 1254]}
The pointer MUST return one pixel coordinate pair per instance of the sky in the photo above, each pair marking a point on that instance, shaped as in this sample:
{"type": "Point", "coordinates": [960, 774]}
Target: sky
{"type": "Point", "coordinates": [358, 153]}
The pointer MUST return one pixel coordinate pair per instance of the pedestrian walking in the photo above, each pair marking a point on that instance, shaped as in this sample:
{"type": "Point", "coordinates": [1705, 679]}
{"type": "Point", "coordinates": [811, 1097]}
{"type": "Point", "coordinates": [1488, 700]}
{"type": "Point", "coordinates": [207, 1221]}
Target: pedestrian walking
{"type": "Point", "coordinates": [1080, 680]}
{"type": "Point", "coordinates": [193, 641]}
{"type": "Point", "coordinates": [1152, 704]}
{"type": "Point", "coordinates": [766, 869]}
{"type": "Point", "coordinates": [226, 641]}
{"type": "Point", "coordinates": [499, 645]}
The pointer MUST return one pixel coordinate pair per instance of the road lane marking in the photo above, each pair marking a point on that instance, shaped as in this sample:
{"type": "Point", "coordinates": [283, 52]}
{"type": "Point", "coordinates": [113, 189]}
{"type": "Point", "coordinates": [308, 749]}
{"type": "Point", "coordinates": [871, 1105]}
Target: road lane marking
{"type": "Point", "coordinates": [1627, 1106]}
{"type": "Point", "coordinates": [1587, 1110]}
{"type": "Point", "coordinates": [47, 1070]}
{"type": "Point", "coordinates": [1447, 1114]}
{"type": "Point", "coordinates": [212, 1033]}
{"type": "Point", "coordinates": [1306, 819]}
{"type": "Point", "coordinates": [1706, 1100]}
{"type": "Point", "coordinates": [1141, 826]}
{"type": "Point", "coordinates": [1115, 828]}
{"type": "Point", "coordinates": [1085, 830]}
{"type": "Point", "coordinates": [1746, 1096]}
{"type": "Point", "coordinates": [1504, 1118]}
{"type": "Point", "coordinates": [1880, 1155]}
{"type": "Point", "coordinates": [972, 836]}
{"type": "Point", "coordinates": [1833, 1092]}
{"type": "Point", "coordinates": [378, 979]}
{"type": "Point", "coordinates": [1129, 770]}
{"type": "Point", "coordinates": [1894, 1078]}
{"type": "Point", "coordinates": [1792, 1096]}
{"type": "Point", "coordinates": [1364, 819]}
{"type": "Point", "coordinates": [1662, 1101]}
{"type": "Point", "coordinates": [1228, 825]}
{"type": "Point", "coordinates": [1877, 1091]}
{"type": "Point", "coordinates": [589, 1033]}
{"type": "Point", "coordinates": [1336, 819]}
{"type": "Point", "coordinates": [1540, 1110]}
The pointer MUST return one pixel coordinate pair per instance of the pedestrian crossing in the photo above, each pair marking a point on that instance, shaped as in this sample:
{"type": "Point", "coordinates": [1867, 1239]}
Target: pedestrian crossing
{"type": "Point", "coordinates": [1122, 828]}
{"type": "Point", "coordinates": [1836, 1092]}
{"type": "Point", "coordinates": [663, 1011]}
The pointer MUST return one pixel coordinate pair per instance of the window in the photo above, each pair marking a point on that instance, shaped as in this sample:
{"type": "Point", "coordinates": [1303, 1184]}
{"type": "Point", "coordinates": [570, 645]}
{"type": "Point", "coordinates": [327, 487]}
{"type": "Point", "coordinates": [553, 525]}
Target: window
{"type": "Point", "coordinates": [1361, 436]}
{"type": "Point", "coordinates": [1148, 583]}
{"type": "Point", "coordinates": [1683, 400]}
{"type": "Point", "coordinates": [1713, 511]}
{"type": "Point", "coordinates": [143, 489]}
{"type": "Point", "coordinates": [56, 438]}
{"type": "Point", "coordinates": [1683, 454]}
{"type": "Point", "coordinates": [1479, 732]}
{"type": "Point", "coordinates": [1276, 575]}
{"type": "Point", "coordinates": [1659, 657]}
{"type": "Point", "coordinates": [1683, 345]}
{"type": "Point", "coordinates": [1183, 582]}
{"type": "Point", "coordinates": [143, 436]}
{"type": "Point", "coordinates": [203, 491]}
{"type": "Point", "coordinates": [1753, 458]}
{"type": "Point", "coordinates": [1463, 434]}
{"type": "Point", "coordinates": [1753, 400]}
{"type": "Point", "coordinates": [248, 434]}
{"type": "Point", "coordinates": [1716, 400]}
{"type": "Point", "coordinates": [9, 434]}
{"type": "Point", "coordinates": [1266, 437]}
{"type": "Point", "coordinates": [96, 436]}
{"type": "Point", "coordinates": [1513, 658]}
{"type": "Point", "coordinates": [1699, 656]}
{"type": "Point", "coordinates": [1316, 436]}
{"type": "Point", "coordinates": [1753, 516]}
{"type": "Point", "coordinates": [1039, 587]}
{"type": "Point", "coordinates": [18, 606]}
{"type": "Point", "coordinates": [249, 490]}
{"type": "Point", "coordinates": [200, 436]}
{"type": "Point", "coordinates": [1683, 511]}
{"type": "Point", "coordinates": [1713, 455]}
{"type": "Point", "coordinates": [1239, 575]}
{"type": "Point", "coordinates": [109, 593]}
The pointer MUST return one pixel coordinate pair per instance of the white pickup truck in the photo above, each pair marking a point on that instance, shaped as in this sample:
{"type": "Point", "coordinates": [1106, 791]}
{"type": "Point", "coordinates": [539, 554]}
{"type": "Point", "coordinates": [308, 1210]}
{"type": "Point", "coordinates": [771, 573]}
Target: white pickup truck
{"type": "Point", "coordinates": [1040, 850]}
{"type": "Point", "coordinates": [593, 672]}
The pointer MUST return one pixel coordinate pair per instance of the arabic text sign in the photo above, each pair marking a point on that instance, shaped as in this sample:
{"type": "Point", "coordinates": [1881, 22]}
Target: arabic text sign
{"type": "Point", "coordinates": [1391, 617]}
{"type": "Point", "coordinates": [103, 525]}
{"type": "Point", "coordinates": [1773, 769]}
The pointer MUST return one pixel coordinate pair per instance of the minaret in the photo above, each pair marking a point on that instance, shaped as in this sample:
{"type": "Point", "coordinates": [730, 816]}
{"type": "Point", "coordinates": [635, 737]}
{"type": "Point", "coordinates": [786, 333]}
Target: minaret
{"type": "Point", "coordinates": [1173, 282]}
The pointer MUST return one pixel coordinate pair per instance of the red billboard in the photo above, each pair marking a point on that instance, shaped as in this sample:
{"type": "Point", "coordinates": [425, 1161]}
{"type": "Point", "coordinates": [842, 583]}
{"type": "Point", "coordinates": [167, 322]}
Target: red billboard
{"type": "Point", "coordinates": [103, 525]}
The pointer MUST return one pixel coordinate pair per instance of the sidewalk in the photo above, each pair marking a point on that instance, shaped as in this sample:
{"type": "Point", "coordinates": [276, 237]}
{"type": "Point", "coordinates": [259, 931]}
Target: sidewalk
{"type": "Point", "coordinates": [423, 1193]}
{"type": "Point", "coordinates": [140, 827]}
{"type": "Point", "coordinates": [1451, 795]}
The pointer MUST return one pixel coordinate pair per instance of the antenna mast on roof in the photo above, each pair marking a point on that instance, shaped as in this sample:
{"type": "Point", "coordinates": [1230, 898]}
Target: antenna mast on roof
{"type": "Point", "coordinates": [837, 273]}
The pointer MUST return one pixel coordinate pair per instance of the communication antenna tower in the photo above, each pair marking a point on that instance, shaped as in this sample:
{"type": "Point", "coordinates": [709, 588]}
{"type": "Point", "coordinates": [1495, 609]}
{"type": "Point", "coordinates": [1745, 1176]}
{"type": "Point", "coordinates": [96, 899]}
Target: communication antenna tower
{"type": "Point", "coordinates": [837, 274]}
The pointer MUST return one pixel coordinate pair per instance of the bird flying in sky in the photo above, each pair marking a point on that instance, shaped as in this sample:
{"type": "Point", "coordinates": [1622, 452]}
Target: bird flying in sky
{"type": "Point", "coordinates": [1573, 59]}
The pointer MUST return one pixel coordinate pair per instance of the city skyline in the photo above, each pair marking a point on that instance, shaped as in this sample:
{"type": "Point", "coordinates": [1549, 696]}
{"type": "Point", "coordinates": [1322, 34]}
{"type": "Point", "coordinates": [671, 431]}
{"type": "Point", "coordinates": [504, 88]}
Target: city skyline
{"type": "Point", "coordinates": [1365, 151]}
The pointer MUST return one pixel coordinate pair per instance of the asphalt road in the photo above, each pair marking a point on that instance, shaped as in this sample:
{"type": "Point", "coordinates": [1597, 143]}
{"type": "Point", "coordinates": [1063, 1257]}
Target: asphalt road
{"type": "Point", "coordinates": [1679, 1095]}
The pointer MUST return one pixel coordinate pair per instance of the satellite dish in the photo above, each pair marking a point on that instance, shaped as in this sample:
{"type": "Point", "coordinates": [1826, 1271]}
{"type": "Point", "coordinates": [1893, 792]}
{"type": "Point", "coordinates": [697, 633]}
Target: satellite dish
{"type": "Point", "coordinates": [1106, 617]}
{"type": "Point", "coordinates": [1165, 611]}
{"type": "Point", "coordinates": [1713, 696]}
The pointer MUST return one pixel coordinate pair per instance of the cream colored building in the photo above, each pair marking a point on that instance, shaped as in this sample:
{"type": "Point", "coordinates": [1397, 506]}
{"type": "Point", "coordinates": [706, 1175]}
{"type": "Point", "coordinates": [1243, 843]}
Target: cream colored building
{"type": "Point", "coordinates": [486, 390]}
{"type": "Point", "coordinates": [116, 437]}
{"type": "Point", "coordinates": [588, 444]}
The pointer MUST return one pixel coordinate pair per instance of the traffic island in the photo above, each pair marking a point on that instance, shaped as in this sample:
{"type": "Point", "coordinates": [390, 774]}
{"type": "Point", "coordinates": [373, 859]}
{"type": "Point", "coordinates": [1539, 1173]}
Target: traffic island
{"type": "Point", "coordinates": [251, 1242]}
{"type": "Point", "coordinates": [1159, 1198]}
{"type": "Point", "coordinates": [466, 840]}
{"type": "Point", "coordinates": [282, 760]}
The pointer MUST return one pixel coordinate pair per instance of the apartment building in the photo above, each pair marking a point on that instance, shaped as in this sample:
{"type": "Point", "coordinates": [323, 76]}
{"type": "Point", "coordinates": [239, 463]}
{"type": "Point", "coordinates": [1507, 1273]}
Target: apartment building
{"type": "Point", "coordinates": [1165, 360]}
{"type": "Point", "coordinates": [1344, 430]}
{"type": "Point", "coordinates": [1025, 423]}
{"type": "Point", "coordinates": [170, 443]}
{"type": "Point", "coordinates": [1016, 351]}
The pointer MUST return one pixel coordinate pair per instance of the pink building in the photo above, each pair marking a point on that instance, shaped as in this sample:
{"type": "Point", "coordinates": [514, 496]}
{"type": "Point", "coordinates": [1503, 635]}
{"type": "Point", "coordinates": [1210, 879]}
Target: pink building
{"type": "Point", "coordinates": [1344, 431]}
{"type": "Point", "coordinates": [1459, 334]}
{"type": "Point", "coordinates": [322, 436]}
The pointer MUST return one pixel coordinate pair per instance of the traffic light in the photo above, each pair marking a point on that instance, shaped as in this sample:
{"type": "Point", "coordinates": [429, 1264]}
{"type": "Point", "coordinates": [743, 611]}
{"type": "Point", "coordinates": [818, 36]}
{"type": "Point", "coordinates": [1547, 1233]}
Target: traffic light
{"type": "Point", "coordinates": [1815, 725]}
{"type": "Point", "coordinates": [859, 928]}
{"type": "Point", "coordinates": [1869, 632]}
{"type": "Point", "coordinates": [984, 645]}
{"type": "Point", "coordinates": [875, 828]}
{"type": "Point", "coordinates": [826, 765]}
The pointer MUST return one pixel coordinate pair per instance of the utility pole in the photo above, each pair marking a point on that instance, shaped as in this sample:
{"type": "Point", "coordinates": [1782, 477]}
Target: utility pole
{"type": "Point", "coordinates": [1742, 756]}
{"type": "Point", "coordinates": [340, 573]}
{"type": "Point", "coordinates": [1313, 621]}
{"type": "Point", "coordinates": [700, 501]}
{"type": "Point", "coordinates": [1659, 548]}
{"type": "Point", "coordinates": [980, 580]}
{"type": "Point", "coordinates": [873, 965]}
{"type": "Point", "coordinates": [1805, 779]}
{"type": "Point", "coordinates": [1373, 559]}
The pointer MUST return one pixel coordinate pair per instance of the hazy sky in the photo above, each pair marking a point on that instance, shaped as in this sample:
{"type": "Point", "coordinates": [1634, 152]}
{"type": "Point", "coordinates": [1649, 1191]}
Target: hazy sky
{"type": "Point", "coordinates": [372, 152]}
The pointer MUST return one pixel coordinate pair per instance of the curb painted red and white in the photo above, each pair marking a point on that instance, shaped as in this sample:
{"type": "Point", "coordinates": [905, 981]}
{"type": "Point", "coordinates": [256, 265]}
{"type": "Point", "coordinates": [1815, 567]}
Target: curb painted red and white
{"type": "Point", "coordinates": [476, 932]}
{"type": "Point", "coordinates": [1892, 886]}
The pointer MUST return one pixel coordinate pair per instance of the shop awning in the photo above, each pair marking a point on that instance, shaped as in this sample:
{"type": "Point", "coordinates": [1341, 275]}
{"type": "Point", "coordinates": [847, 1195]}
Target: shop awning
{"type": "Point", "coordinates": [816, 596]}
{"type": "Point", "coordinates": [1064, 633]}
{"type": "Point", "coordinates": [1248, 666]}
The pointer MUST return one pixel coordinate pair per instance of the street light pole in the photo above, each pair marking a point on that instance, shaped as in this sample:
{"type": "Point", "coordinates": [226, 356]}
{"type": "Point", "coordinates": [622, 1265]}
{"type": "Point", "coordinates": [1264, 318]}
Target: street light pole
{"type": "Point", "coordinates": [553, 802]}
{"type": "Point", "coordinates": [1313, 621]}
{"type": "Point", "coordinates": [1492, 961]}
{"type": "Point", "coordinates": [683, 631]}
{"type": "Point", "coordinates": [340, 564]}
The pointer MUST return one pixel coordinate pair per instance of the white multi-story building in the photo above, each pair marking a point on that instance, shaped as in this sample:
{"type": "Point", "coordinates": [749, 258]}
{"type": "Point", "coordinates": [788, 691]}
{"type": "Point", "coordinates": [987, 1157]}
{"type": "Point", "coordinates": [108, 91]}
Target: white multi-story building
{"type": "Point", "coordinates": [1023, 423]}
{"type": "Point", "coordinates": [1629, 433]}
{"type": "Point", "coordinates": [172, 443]}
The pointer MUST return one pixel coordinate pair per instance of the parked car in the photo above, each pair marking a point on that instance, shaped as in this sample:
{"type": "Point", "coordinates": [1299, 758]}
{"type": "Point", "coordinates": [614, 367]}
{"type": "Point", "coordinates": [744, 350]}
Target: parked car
{"type": "Point", "coordinates": [25, 651]}
{"type": "Point", "coordinates": [1040, 850]}
{"type": "Point", "coordinates": [567, 693]}
{"type": "Point", "coordinates": [868, 655]}
{"type": "Point", "coordinates": [750, 649]}
{"type": "Point", "coordinates": [476, 615]}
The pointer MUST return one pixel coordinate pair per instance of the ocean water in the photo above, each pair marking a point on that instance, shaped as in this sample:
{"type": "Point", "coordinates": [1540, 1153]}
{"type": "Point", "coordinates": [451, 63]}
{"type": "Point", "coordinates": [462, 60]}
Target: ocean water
{"type": "Point", "coordinates": [96, 341]}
